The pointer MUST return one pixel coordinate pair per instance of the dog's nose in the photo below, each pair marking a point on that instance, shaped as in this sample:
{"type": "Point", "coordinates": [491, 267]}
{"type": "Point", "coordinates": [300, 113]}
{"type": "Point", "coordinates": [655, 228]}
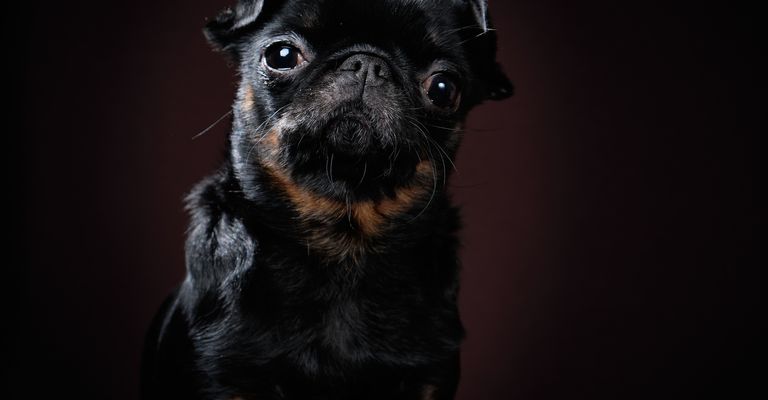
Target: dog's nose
{"type": "Point", "coordinates": [369, 70]}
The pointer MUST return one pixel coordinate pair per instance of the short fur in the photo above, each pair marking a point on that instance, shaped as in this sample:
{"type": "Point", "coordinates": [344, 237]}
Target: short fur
{"type": "Point", "coordinates": [321, 257]}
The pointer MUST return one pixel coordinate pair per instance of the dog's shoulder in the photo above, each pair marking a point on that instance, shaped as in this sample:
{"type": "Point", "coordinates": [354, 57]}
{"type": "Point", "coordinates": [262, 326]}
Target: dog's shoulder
{"type": "Point", "coordinates": [218, 241]}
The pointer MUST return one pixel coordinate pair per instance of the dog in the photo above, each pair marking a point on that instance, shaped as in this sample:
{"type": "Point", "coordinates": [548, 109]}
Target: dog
{"type": "Point", "coordinates": [322, 256]}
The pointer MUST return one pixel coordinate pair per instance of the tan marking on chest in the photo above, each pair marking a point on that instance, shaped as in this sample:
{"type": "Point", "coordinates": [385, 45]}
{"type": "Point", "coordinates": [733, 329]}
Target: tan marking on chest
{"type": "Point", "coordinates": [369, 216]}
{"type": "Point", "coordinates": [372, 216]}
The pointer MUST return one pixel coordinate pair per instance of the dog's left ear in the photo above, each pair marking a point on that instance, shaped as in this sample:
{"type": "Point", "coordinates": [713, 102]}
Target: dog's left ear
{"type": "Point", "coordinates": [224, 29]}
{"type": "Point", "coordinates": [497, 84]}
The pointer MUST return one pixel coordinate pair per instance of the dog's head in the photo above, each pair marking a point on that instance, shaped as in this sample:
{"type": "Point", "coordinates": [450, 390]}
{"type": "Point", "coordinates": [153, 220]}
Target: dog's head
{"type": "Point", "coordinates": [350, 98]}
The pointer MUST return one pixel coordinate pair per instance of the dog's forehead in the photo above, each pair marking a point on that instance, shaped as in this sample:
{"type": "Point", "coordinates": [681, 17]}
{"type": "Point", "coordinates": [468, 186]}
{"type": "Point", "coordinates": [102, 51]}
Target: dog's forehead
{"type": "Point", "coordinates": [315, 12]}
{"type": "Point", "coordinates": [405, 21]}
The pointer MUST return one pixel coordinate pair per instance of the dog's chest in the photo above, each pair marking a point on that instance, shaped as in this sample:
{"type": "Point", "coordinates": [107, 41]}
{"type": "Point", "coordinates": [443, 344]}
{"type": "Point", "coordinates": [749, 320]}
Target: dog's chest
{"type": "Point", "coordinates": [328, 315]}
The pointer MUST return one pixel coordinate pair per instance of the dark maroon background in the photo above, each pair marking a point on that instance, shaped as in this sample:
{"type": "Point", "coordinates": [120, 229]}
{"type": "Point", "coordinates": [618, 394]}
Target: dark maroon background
{"type": "Point", "coordinates": [608, 206]}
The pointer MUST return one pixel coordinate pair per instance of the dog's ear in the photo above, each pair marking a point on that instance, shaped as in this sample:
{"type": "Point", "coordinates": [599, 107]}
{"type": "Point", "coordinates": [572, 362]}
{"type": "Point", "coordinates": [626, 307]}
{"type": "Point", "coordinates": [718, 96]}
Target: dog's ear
{"type": "Point", "coordinates": [497, 85]}
{"type": "Point", "coordinates": [224, 29]}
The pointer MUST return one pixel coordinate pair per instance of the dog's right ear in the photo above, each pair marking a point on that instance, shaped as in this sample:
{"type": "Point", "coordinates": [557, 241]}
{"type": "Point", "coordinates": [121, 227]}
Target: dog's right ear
{"type": "Point", "coordinates": [224, 29]}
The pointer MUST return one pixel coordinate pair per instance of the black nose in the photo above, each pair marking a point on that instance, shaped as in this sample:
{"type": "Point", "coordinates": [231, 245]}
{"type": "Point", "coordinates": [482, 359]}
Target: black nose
{"type": "Point", "coordinates": [369, 70]}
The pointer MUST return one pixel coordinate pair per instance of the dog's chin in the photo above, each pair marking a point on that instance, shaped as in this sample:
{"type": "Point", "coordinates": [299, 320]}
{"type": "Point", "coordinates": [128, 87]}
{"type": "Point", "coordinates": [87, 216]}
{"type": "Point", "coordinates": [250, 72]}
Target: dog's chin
{"type": "Point", "coordinates": [349, 157]}
{"type": "Point", "coordinates": [352, 137]}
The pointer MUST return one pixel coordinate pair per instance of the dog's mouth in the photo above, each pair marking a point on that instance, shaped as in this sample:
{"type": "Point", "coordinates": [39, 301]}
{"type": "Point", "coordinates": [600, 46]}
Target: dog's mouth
{"type": "Point", "coordinates": [350, 135]}
{"type": "Point", "coordinates": [351, 151]}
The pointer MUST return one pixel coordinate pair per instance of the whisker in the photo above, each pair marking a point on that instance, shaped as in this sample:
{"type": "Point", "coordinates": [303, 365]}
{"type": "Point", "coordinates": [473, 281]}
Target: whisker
{"type": "Point", "coordinates": [434, 175]}
{"type": "Point", "coordinates": [477, 36]}
{"type": "Point", "coordinates": [365, 170]}
{"type": "Point", "coordinates": [442, 150]}
{"type": "Point", "coordinates": [330, 170]}
{"type": "Point", "coordinates": [431, 196]}
{"type": "Point", "coordinates": [349, 211]}
{"type": "Point", "coordinates": [442, 159]}
{"type": "Point", "coordinates": [211, 126]}
{"type": "Point", "coordinates": [422, 129]}
{"type": "Point", "coordinates": [440, 127]}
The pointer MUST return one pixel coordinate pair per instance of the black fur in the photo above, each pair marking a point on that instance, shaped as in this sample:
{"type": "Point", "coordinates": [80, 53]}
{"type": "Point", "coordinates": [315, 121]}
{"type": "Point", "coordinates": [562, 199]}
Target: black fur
{"type": "Point", "coordinates": [322, 257]}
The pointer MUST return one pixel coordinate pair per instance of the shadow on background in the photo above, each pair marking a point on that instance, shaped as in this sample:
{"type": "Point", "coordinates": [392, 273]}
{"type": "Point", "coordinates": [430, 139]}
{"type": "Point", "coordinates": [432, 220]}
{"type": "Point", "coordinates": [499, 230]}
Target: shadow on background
{"type": "Point", "coordinates": [608, 206]}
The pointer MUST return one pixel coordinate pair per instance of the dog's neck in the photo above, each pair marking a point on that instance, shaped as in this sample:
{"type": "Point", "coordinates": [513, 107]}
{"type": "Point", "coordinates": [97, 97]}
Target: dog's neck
{"type": "Point", "coordinates": [339, 230]}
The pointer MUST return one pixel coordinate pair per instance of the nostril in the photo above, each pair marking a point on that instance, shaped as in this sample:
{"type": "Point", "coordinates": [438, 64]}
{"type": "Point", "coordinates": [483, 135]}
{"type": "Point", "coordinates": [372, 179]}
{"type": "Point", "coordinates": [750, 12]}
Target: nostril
{"type": "Point", "coordinates": [369, 69]}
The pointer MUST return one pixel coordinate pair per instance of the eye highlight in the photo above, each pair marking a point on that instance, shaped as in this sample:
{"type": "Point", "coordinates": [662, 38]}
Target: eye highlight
{"type": "Point", "coordinates": [442, 90]}
{"type": "Point", "coordinates": [283, 57]}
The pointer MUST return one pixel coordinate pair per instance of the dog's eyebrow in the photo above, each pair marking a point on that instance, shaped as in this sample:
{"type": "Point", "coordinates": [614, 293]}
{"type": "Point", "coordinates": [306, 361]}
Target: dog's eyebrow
{"type": "Point", "coordinates": [301, 16]}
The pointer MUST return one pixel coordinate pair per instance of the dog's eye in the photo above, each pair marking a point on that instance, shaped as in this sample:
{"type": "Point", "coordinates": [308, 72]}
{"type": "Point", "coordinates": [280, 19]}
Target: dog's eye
{"type": "Point", "coordinates": [442, 90]}
{"type": "Point", "coordinates": [283, 57]}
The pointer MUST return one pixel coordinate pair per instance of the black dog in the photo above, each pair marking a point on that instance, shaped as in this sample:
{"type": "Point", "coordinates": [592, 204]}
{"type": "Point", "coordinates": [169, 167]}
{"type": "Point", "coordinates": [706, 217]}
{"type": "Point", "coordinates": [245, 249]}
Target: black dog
{"type": "Point", "coordinates": [322, 256]}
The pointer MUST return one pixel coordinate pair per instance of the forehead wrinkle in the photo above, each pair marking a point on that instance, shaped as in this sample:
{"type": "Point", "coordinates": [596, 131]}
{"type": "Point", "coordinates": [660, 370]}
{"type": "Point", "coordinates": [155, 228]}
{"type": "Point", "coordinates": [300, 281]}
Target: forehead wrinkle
{"type": "Point", "coordinates": [357, 17]}
{"type": "Point", "coordinates": [305, 15]}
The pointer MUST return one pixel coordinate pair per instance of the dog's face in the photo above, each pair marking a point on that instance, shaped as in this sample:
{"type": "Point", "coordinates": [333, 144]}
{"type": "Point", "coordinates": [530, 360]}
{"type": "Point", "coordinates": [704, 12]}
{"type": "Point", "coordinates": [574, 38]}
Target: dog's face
{"type": "Point", "coordinates": [355, 99]}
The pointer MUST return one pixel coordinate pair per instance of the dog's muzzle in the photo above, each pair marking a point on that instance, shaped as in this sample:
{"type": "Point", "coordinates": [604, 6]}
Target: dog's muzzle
{"type": "Point", "coordinates": [368, 71]}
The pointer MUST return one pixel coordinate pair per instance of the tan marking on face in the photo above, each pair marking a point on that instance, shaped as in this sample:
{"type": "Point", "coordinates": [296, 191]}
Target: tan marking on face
{"type": "Point", "coordinates": [248, 101]}
{"type": "Point", "coordinates": [271, 141]}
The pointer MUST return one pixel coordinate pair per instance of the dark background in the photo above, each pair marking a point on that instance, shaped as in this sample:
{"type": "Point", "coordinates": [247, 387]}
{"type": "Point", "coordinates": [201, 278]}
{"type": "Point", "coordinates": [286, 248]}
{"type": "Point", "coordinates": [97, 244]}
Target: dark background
{"type": "Point", "coordinates": [608, 206]}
